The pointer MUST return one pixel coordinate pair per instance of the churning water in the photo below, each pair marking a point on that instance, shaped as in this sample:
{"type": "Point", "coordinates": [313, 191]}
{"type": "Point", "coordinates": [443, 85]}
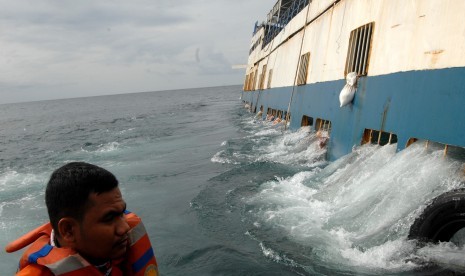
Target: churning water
{"type": "Point", "coordinates": [351, 216]}
{"type": "Point", "coordinates": [222, 193]}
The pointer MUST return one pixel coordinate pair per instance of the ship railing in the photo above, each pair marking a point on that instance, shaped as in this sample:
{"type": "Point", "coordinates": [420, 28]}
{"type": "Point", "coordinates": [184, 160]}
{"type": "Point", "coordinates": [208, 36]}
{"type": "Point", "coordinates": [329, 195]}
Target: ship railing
{"type": "Point", "coordinates": [278, 18]}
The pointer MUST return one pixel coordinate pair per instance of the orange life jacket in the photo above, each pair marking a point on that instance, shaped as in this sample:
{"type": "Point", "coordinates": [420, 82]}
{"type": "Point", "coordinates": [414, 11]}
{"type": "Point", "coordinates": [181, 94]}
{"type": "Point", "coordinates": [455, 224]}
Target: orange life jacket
{"type": "Point", "coordinates": [139, 259]}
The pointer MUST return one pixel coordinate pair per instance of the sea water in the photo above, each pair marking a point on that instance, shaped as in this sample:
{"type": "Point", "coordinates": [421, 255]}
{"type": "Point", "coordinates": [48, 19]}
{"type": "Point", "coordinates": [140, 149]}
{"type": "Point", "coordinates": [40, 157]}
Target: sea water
{"type": "Point", "coordinates": [224, 193]}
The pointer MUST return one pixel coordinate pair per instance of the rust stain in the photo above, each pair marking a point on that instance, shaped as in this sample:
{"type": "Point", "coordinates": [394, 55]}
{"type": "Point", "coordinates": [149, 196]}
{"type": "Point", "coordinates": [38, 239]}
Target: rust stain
{"type": "Point", "coordinates": [434, 52]}
{"type": "Point", "coordinates": [385, 112]}
{"type": "Point", "coordinates": [394, 26]}
{"type": "Point", "coordinates": [434, 56]}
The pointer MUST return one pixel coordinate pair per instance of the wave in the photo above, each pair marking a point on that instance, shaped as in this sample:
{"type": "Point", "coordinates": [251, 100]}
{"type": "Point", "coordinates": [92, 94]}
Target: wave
{"type": "Point", "coordinates": [11, 180]}
{"type": "Point", "coordinates": [300, 148]}
{"type": "Point", "coordinates": [101, 148]}
{"type": "Point", "coordinates": [109, 147]}
{"type": "Point", "coordinates": [126, 130]}
{"type": "Point", "coordinates": [358, 210]}
{"type": "Point", "coordinates": [350, 216]}
{"type": "Point", "coordinates": [220, 157]}
{"type": "Point", "coordinates": [20, 191]}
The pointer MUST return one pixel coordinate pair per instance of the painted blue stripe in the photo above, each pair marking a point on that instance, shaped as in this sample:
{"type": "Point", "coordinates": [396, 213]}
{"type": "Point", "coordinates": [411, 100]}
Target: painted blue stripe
{"type": "Point", "coordinates": [39, 254]}
{"type": "Point", "coordinates": [424, 104]}
{"type": "Point", "coordinates": [143, 260]}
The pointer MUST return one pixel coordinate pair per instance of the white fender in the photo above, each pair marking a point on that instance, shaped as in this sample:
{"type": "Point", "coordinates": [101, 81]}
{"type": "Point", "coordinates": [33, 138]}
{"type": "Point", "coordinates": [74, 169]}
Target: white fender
{"type": "Point", "coordinates": [348, 92]}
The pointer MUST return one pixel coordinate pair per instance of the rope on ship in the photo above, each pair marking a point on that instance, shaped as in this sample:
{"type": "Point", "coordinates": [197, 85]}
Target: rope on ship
{"type": "Point", "coordinates": [296, 70]}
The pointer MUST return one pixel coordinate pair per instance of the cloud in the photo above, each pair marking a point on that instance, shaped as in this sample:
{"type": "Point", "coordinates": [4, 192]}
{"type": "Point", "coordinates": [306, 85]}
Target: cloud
{"type": "Point", "coordinates": [104, 47]}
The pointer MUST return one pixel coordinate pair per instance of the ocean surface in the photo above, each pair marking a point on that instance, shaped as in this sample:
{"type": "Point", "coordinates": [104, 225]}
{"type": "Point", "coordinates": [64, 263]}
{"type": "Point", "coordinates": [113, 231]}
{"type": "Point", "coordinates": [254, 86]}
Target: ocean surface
{"type": "Point", "coordinates": [222, 193]}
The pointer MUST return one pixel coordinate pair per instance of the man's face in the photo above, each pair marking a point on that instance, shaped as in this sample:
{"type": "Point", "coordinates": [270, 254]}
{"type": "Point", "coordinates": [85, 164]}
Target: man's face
{"type": "Point", "coordinates": [102, 234]}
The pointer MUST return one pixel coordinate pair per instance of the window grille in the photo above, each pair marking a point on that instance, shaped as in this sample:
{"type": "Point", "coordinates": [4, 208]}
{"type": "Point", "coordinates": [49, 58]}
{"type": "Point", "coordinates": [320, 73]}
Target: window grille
{"type": "Point", "coordinates": [379, 137]}
{"type": "Point", "coordinates": [303, 69]}
{"type": "Point", "coordinates": [270, 74]}
{"type": "Point", "coordinates": [359, 50]}
{"type": "Point", "coordinates": [249, 85]}
{"type": "Point", "coordinates": [306, 121]}
{"type": "Point", "coordinates": [246, 81]}
{"type": "Point", "coordinates": [322, 124]}
{"type": "Point", "coordinates": [262, 77]}
{"type": "Point", "coordinates": [255, 78]}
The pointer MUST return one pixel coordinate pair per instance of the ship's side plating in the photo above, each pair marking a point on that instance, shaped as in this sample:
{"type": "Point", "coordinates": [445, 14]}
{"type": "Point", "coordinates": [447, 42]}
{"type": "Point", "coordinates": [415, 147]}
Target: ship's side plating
{"type": "Point", "coordinates": [413, 85]}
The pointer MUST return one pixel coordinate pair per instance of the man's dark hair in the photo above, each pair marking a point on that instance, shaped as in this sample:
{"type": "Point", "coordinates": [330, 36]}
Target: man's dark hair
{"type": "Point", "coordinates": [69, 188]}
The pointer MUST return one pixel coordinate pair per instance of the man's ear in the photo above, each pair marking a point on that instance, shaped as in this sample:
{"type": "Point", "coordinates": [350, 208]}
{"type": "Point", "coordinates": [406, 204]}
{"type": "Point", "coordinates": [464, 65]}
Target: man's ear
{"type": "Point", "coordinates": [67, 228]}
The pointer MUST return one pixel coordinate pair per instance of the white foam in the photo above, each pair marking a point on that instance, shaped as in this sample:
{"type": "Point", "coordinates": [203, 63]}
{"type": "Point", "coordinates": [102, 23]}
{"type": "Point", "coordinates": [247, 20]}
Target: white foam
{"type": "Point", "coordinates": [126, 130]}
{"type": "Point", "coordinates": [295, 148]}
{"type": "Point", "coordinates": [267, 132]}
{"type": "Point", "coordinates": [269, 253]}
{"type": "Point", "coordinates": [446, 254]}
{"type": "Point", "coordinates": [11, 180]}
{"type": "Point", "coordinates": [274, 256]}
{"type": "Point", "coordinates": [358, 209]}
{"type": "Point", "coordinates": [109, 147]}
{"type": "Point", "coordinates": [20, 193]}
{"type": "Point", "coordinates": [6, 179]}
{"type": "Point", "coordinates": [220, 158]}
{"type": "Point", "coordinates": [103, 148]}
{"type": "Point", "coordinates": [392, 256]}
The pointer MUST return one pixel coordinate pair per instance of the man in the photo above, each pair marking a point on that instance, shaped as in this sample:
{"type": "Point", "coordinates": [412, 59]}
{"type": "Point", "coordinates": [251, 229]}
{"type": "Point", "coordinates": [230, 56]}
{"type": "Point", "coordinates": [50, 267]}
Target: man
{"type": "Point", "coordinates": [90, 232]}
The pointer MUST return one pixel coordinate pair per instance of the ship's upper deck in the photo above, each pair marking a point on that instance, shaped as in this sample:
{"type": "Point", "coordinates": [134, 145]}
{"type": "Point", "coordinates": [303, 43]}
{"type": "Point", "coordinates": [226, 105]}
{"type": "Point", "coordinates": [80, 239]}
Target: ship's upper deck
{"type": "Point", "coordinates": [406, 35]}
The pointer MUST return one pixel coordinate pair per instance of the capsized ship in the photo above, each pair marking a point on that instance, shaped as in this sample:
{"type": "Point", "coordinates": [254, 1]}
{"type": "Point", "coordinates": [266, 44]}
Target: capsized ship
{"type": "Point", "coordinates": [368, 71]}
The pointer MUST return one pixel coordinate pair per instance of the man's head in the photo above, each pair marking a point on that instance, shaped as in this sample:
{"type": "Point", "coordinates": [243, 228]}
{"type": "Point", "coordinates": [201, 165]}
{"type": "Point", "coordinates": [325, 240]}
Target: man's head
{"type": "Point", "coordinates": [86, 208]}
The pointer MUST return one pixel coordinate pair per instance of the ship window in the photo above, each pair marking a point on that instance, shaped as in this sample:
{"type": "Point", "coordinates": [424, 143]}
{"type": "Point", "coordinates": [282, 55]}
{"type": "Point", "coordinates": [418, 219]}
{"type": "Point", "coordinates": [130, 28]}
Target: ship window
{"type": "Point", "coordinates": [270, 74]}
{"type": "Point", "coordinates": [262, 77]}
{"type": "Point", "coordinates": [451, 151]}
{"type": "Point", "coordinates": [287, 116]}
{"type": "Point", "coordinates": [323, 131]}
{"type": "Point", "coordinates": [322, 124]}
{"type": "Point", "coordinates": [454, 152]}
{"type": "Point", "coordinates": [303, 69]}
{"type": "Point", "coordinates": [359, 50]}
{"type": "Point", "coordinates": [250, 81]}
{"type": "Point", "coordinates": [411, 141]}
{"type": "Point", "coordinates": [255, 78]}
{"type": "Point", "coordinates": [306, 121]}
{"type": "Point", "coordinates": [378, 137]}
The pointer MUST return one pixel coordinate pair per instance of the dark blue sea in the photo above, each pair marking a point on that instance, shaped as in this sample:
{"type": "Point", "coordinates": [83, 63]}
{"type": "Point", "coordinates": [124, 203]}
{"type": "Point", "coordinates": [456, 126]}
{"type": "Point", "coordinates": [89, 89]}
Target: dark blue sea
{"type": "Point", "coordinates": [224, 193]}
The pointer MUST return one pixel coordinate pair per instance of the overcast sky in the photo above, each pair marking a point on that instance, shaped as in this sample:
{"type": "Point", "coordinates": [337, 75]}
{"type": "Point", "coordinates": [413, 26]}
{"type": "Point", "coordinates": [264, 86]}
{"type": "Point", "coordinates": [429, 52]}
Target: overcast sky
{"type": "Point", "coordinates": [74, 48]}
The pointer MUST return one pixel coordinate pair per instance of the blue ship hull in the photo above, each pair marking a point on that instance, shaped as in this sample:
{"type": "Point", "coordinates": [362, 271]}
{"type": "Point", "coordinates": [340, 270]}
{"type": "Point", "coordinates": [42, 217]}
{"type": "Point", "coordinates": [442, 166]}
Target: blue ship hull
{"type": "Point", "coordinates": [426, 104]}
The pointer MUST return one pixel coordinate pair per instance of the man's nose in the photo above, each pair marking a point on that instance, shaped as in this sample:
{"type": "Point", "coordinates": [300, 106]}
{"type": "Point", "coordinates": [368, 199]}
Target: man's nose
{"type": "Point", "coordinates": [123, 227]}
